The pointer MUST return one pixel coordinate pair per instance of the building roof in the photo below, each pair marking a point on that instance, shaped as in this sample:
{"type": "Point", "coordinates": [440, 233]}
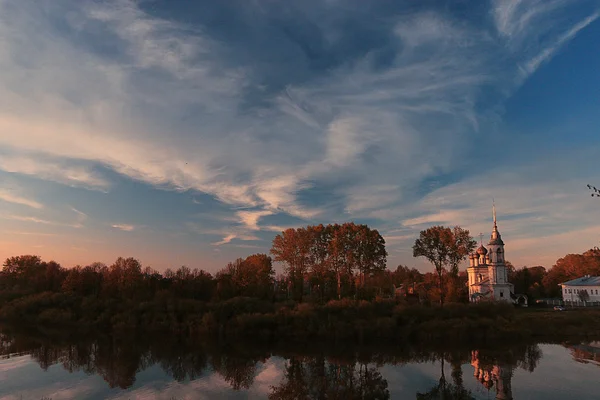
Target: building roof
{"type": "Point", "coordinates": [482, 250]}
{"type": "Point", "coordinates": [583, 281]}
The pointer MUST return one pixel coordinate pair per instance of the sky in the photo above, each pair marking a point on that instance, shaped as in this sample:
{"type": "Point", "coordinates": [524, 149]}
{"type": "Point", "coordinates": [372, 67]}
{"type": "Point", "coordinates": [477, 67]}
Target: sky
{"type": "Point", "coordinates": [191, 133]}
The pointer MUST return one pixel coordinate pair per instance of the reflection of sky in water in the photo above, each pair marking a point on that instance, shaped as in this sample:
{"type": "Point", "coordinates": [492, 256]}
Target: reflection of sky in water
{"type": "Point", "coordinates": [557, 376]}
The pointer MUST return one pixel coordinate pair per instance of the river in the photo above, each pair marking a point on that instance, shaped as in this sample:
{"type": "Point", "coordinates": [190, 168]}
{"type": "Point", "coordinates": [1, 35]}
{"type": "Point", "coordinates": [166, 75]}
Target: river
{"type": "Point", "coordinates": [38, 367]}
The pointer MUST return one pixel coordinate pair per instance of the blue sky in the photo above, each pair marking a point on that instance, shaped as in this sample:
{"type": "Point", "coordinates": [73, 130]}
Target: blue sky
{"type": "Point", "coordinates": [193, 132]}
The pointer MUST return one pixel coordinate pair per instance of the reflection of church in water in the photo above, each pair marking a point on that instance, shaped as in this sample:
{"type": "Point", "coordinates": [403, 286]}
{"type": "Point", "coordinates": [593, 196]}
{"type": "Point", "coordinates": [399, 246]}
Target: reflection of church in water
{"type": "Point", "coordinates": [496, 377]}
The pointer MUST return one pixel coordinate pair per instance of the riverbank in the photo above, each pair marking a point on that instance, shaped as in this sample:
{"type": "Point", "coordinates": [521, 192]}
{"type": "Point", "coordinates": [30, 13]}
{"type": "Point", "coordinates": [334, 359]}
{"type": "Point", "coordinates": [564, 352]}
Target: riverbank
{"type": "Point", "coordinates": [344, 320]}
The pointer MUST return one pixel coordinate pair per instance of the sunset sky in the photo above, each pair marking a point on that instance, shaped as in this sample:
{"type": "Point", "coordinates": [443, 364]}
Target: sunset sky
{"type": "Point", "coordinates": [192, 132]}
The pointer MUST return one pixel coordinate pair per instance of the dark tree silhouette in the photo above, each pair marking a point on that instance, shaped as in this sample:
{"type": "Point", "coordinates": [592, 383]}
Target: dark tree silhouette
{"type": "Point", "coordinates": [444, 247]}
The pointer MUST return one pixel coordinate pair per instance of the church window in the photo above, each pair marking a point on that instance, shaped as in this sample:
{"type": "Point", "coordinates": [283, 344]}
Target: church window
{"type": "Point", "coordinates": [569, 290]}
{"type": "Point", "coordinates": [501, 294]}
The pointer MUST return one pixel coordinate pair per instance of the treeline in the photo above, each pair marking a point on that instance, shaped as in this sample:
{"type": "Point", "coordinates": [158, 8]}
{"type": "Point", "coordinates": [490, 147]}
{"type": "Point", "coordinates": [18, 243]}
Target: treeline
{"type": "Point", "coordinates": [338, 270]}
{"type": "Point", "coordinates": [335, 258]}
{"type": "Point", "coordinates": [538, 282]}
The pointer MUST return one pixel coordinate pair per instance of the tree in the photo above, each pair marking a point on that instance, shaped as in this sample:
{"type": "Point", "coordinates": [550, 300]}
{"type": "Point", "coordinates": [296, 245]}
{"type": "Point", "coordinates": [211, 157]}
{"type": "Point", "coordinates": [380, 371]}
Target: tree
{"type": "Point", "coordinates": [85, 281]}
{"type": "Point", "coordinates": [529, 281]}
{"type": "Point", "coordinates": [583, 295]}
{"type": "Point", "coordinates": [569, 267]}
{"type": "Point", "coordinates": [252, 276]}
{"type": "Point", "coordinates": [369, 252]}
{"type": "Point", "coordinates": [339, 255]}
{"type": "Point", "coordinates": [259, 267]}
{"type": "Point", "coordinates": [320, 273]}
{"type": "Point", "coordinates": [406, 276]}
{"type": "Point", "coordinates": [461, 246]}
{"type": "Point", "coordinates": [124, 277]}
{"type": "Point", "coordinates": [292, 247]}
{"type": "Point", "coordinates": [443, 247]}
{"type": "Point", "coordinates": [30, 274]}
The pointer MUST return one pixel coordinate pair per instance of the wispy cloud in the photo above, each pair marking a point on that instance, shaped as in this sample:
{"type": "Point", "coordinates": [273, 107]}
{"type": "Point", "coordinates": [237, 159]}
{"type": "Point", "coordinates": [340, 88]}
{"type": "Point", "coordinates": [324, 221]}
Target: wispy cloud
{"type": "Point", "coordinates": [10, 197]}
{"type": "Point", "coordinates": [228, 238]}
{"type": "Point", "coordinates": [54, 170]}
{"type": "Point", "coordinates": [81, 217]}
{"type": "Point", "coordinates": [285, 118]}
{"type": "Point", "coordinates": [548, 52]}
{"type": "Point", "coordinates": [27, 233]}
{"type": "Point", "coordinates": [124, 227]}
{"type": "Point", "coordinates": [250, 218]}
{"type": "Point", "coordinates": [28, 219]}
{"type": "Point", "coordinates": [442, 217]}
{"type": "Point", "coordinates": [225, 240]}
{"type": "Point", "coordinates": [535, 29]}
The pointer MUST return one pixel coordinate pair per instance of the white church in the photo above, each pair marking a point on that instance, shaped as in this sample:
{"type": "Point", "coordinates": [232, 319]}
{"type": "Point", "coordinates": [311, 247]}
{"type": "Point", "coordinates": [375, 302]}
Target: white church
{"type": "Point", "coordinates": [488, 275]}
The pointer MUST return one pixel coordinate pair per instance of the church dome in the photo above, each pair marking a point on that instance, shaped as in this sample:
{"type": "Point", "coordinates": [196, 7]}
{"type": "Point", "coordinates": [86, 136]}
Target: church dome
{"type": "Point", "coordinates": [482, 250]}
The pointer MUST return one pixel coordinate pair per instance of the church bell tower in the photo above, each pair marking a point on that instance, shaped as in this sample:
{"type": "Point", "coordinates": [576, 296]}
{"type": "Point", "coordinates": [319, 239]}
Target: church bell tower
{"type": "Point", "coordinates": [497, 271]}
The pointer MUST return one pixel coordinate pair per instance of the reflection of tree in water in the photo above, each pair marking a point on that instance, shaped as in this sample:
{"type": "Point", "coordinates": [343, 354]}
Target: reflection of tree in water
{"type": "Point", "coordinates": [237, 370]}
{"type": "Point", "coordinates": [316, 378]}
{"type": "Point", "coordinates": [80, 357]}
{"type": "Point", "coordinates": [118, 363]}
{"type": "Point", "coordinates": [179, 361]}
{"type": "Point", "coordinates": [445, 390]}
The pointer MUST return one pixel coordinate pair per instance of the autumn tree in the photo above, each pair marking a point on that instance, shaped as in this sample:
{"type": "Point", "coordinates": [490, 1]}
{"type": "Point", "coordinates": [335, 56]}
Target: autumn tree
{"type": "Point", "coordinates": [321, 274]}
{"type": "Point", "coordinates": [339, 259]}
{"type": "Point", "coordinates": [443, 247]}
{"type": "Point", "coordinates": [252, 276]}
{"type": "Point", "coordinates": [86, 281]}
{"type": "Point", "coordinates": [461, 246]}
{"type": "Point", "coordinates": [292, 247]}
{"type": "Point", "coordinates": [369, 252]}
{"type": "Point", "coordinates": [185, 282]}
{"type": "Point", "coordinates": [569, 267]}
{"type": "Point", "coordinates": [260, 269]}
{"type": "Point", "coordinates": [124, 277]}
{"type": "Point", "coordinates": [30, 274]}
{"type": "Point", "coordinates": [334, 252]}
{"type": "Point", "coordinates": [355, 248]}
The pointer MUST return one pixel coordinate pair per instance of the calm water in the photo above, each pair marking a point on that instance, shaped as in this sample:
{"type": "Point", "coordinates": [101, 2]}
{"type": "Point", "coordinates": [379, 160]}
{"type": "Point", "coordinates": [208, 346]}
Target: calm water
{"type": "Point", "coordinates": [37, 367]}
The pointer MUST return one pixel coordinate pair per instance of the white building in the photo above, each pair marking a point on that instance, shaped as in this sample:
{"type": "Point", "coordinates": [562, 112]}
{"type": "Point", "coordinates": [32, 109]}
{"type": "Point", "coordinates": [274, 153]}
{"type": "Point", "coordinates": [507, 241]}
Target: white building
{"type": "Point", "coordinates": [488, 276]}
{"type": "Point", "coordinates": [586, 288]}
